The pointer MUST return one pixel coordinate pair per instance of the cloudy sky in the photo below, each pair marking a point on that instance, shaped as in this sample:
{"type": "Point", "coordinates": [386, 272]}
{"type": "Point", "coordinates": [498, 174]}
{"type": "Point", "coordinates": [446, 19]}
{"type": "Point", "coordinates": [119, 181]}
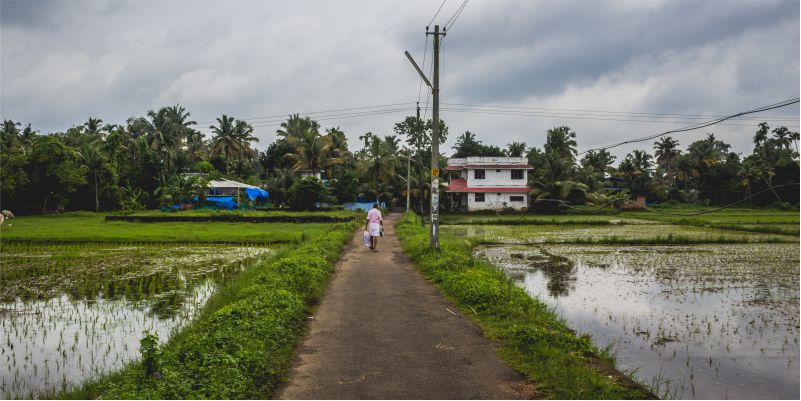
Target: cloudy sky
{"type": "Point", "coordinates": [610, 70]}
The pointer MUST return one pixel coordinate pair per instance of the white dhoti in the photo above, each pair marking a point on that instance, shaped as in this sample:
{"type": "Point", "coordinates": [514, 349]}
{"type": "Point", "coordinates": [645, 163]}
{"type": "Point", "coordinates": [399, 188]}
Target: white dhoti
{"type": "Point", "coordinates": [375, 230]}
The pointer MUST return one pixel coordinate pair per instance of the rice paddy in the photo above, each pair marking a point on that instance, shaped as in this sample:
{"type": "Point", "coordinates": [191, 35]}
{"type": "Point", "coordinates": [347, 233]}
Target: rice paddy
{"type": "Point", "coordinates": [74, 311]}
{"type": "Point", "coordinates": [692, 311]}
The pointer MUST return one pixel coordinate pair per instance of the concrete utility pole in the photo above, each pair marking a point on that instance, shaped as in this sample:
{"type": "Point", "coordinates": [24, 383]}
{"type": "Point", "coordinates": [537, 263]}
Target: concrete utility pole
{"type": "Point", "coordinates": [434, 229]}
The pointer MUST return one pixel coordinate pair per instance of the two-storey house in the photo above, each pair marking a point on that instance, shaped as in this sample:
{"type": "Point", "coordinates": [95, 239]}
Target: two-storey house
{"type": "Point", "coordinates": [480, 183]}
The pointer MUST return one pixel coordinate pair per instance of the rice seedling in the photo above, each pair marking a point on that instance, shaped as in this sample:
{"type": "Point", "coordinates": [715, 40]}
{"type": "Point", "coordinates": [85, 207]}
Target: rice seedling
{"type": "Point", "coordinates": [695, 321]}
{"type": "Point", "coordinates": [72, 311]}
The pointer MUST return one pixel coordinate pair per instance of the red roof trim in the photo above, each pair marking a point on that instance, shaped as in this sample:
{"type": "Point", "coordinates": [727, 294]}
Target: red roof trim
{"type": "Point", "coordinates": [459, 188]}
{"type": "Point", "coordinates": [489, 166]}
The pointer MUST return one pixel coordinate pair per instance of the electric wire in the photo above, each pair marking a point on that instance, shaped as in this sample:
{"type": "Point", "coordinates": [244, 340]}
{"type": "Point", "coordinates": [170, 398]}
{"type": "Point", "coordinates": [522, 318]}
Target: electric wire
{"type": "Point", "coordinates": [311, 113]}
{"type": "Point", "coordinates": [437, 13]}
{"type": "Point", "coordinates": [607, 112]}
{"type": "Point", "coordinates": [777, 105]}
{"type": "Point", "coordinates": [579, 117]}
{"type": "Point", "coordinates": [456, 15]}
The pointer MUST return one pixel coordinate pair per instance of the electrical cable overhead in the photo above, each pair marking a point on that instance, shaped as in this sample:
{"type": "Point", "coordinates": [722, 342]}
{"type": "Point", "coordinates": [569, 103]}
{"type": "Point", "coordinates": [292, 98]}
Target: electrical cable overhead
{"type": "Point", "coordinates": [437, 13]}
{"type": "Point", "coordinates": [611, 113]}
{"type": "Point", "coordinates": [783, 103]}
{"type": "Point", "coordinates": [587, 117]}
{"type": "Point", "coordinates": [455, 16]}
{"type": "Point", "coordinates": [312, 113]}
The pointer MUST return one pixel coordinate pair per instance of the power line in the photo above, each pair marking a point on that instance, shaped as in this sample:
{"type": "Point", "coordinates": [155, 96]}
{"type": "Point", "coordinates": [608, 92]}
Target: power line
{"type": "Point", "coordinates": [783, 103]}
{"type": "Point", "coordinates": [437, 13]}
{"type": "Point", "coordinates": [579, 117]}
{"type": "Point", "coordinates": [277, 122]}
{"type": "Point", "coordinates": [608, 112]}
{"type": "Point", "coordinates": [455, 15]}
{"type": "Point", "coordinates": [313, 112]}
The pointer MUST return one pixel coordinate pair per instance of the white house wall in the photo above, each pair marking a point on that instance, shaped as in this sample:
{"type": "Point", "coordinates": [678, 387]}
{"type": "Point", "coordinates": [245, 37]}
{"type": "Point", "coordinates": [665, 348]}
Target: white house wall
{"type": "Point", "coordinates": [494, 201]}
{"type": "Point", "coordinates": [492, 178]}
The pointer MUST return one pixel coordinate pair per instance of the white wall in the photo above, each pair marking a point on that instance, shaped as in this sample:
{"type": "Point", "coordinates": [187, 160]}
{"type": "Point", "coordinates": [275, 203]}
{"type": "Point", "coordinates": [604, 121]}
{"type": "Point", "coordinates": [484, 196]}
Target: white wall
{"type": "Point", "coordinates": [493, 178]}
{"type": "Point", "coordinates": [494, 201]}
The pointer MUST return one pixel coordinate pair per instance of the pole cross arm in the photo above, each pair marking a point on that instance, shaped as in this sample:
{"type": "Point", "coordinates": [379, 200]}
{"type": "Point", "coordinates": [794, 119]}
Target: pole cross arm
{"type": "Point", "coordinates": [419, 71]}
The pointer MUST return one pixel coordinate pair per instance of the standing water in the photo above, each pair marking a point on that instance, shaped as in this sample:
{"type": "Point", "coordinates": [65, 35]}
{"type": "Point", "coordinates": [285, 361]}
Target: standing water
{"type": "Point", "coordinates": [694, 322]}
{"type": "Point", "coordinates": [71, 312]}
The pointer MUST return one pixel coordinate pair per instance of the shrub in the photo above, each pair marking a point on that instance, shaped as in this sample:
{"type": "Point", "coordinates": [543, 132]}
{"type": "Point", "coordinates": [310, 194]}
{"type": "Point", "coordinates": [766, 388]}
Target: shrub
{"type": "Point", "coordinates": [306, 194]}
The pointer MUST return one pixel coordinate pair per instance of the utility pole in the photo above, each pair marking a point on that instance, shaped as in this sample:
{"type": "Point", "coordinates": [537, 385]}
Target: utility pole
{"type": "Point", "coordinates": [434, 229]}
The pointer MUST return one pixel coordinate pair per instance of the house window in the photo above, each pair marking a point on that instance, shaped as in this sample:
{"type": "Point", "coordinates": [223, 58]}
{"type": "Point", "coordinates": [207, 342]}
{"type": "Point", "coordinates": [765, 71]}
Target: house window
{"type": "Point", "coordinates": [516, 198]}
{"type": "Point", "coordinates": [517, 174]}
{"type": "Point", "coordinates": [479, 197]}
{"type": "Point", "coordinates": [479, 174]}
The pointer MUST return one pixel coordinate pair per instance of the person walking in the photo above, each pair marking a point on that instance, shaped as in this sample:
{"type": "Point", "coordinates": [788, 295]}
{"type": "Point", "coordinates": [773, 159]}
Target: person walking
{"type": "Point", "coordinates": [374, 226]}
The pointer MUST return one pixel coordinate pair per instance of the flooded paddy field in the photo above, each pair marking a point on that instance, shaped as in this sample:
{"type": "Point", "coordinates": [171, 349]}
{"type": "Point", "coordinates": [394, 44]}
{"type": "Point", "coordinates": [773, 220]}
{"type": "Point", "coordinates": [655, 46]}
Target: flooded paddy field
{"type": "Point", "coordinates": [693, 321]}
{"type": "Point", "coordinates": [73, 311]}
{"type": "Point", "coordinates": [655, 233]}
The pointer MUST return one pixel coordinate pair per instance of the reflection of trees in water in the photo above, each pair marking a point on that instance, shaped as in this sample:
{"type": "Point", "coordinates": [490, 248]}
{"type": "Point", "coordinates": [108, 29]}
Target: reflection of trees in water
{"type": "Point", "coordinates": [560, 273]}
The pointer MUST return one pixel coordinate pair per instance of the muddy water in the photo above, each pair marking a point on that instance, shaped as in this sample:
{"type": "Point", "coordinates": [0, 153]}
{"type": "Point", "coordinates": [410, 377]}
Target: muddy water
{"type": "Point", "coordinates": [70, 313]}
{"type": "Point", "coordinates": [702, 321]}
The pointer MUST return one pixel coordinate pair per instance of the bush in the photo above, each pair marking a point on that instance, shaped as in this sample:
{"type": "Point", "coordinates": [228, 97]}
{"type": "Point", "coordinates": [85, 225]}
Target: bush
{"type": "Point", "coordinates": [306, 194]}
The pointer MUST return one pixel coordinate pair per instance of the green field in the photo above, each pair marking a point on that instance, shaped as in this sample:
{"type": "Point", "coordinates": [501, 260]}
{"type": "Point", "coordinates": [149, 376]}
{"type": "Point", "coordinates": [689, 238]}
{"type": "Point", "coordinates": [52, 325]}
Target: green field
{"type": "Point", "coordinates": [218, 306]}
{"type": "Point", "coordinates": [84, 226]}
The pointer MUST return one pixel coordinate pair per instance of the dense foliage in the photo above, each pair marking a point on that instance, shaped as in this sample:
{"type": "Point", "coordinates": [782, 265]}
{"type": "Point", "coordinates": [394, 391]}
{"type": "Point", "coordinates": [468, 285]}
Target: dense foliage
{"type": "Point", "coordinates": [144, 164]}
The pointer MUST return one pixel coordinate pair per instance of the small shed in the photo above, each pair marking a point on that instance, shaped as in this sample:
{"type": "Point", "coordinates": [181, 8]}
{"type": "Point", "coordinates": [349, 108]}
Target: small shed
{"type": "Point", "coordinates": [230, 187]}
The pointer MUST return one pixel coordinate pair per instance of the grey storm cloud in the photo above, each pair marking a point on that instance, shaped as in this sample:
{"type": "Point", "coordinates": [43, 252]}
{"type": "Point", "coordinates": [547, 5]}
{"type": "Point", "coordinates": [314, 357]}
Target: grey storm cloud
{"type": "Point", "coordinates": [64, 61]}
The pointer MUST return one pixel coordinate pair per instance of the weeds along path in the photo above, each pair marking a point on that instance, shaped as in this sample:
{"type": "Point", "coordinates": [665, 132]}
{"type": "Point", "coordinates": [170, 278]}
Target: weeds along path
{"type": "Point", "coordinates": [382, 331]}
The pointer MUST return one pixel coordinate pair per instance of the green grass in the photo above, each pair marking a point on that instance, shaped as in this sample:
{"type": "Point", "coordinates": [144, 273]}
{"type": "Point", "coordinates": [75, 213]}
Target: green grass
{"type": "Point", "coordinates": [86, 226]}
{"type": "Point", "coordinates": [249, 213]}
{"type": "Point", "coordinates": [530, 336]}
{"type": "Point", "coordinates": [533, 219]}
{"type": "Point", "coordinates": [750, 220]}
{"type": "Point", "coordinates": [242, 343]}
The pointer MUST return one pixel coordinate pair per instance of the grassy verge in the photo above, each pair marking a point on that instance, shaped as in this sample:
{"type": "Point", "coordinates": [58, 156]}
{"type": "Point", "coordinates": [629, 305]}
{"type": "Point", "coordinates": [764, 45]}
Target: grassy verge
{"type": "Point", "coordinates": [531, 337]}
{"type": "Point", "coordinates": [91, 227]}
{"type": "Point", "coordinates": [249, 213]}
{"type": "Point", "coordinates": [242, 343]}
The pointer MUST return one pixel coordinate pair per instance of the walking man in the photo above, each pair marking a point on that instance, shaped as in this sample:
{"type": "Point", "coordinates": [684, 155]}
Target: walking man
{"type": "Point", "coordinates": [374, 225]}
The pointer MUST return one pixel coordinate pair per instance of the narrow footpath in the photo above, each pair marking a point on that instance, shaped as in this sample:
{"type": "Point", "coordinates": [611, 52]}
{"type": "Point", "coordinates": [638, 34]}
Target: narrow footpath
{"type": "Point", "coordinates": [382, 331]}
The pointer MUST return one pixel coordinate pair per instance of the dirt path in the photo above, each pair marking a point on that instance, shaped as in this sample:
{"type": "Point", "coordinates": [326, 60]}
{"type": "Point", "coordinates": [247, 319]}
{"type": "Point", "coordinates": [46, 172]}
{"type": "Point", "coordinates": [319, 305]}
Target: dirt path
{"type": "Point", "coordinates": [383, 332]}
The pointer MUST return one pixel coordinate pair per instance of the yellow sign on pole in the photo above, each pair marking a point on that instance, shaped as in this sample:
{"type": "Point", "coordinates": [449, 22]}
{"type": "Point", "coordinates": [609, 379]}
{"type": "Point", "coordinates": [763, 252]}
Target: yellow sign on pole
{"type": "Point", "coordinates": [435, 172]}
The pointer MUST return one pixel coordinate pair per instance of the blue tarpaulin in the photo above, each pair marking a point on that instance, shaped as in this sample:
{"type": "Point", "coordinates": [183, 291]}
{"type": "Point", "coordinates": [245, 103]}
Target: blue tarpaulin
{"type": "Point", "coordinates": [361, 205]}
{"type": "Point", "coordinates": [256, 193]}
{"type": "Point", "coordinates": [226, 202]}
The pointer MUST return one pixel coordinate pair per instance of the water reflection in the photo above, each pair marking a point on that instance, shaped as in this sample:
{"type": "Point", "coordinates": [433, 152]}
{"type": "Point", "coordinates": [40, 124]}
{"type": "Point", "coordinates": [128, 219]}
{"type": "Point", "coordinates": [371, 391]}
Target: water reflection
{"type": "Point", "coordinates": [712, 321]}
{"type": "Point", "coordinates": [64, 319]}
{"type": "Point", "coordinates": [559, 272]}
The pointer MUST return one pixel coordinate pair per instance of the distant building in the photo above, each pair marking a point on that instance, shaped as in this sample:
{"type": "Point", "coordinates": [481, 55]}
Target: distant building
{"type": "Point", "coordinates": [309, 173]}
{"type": "Point", "coordinates": [484, 183]}
{"type": "Point", "coordinates": [227, 187]}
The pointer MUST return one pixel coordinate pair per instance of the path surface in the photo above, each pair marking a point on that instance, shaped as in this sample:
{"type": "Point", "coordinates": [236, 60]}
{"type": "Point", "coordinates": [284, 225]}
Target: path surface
{"type": "Point", "coordinates": [383, 332]}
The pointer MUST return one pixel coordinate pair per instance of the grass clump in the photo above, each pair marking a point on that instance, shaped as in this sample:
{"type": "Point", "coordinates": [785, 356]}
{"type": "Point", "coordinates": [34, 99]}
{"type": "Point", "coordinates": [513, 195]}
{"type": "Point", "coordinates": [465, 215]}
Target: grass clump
{"type": "Point", "coordinates": [531, 337]}
{"type": "Point", "coordinates": [242, 343]}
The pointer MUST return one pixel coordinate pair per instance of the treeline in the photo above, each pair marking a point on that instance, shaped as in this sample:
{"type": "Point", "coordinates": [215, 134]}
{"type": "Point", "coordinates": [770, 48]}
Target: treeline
{"type": "Point", "coordinates": [144, 162]}
{"type": "Point", "coordinates": [707, 171]}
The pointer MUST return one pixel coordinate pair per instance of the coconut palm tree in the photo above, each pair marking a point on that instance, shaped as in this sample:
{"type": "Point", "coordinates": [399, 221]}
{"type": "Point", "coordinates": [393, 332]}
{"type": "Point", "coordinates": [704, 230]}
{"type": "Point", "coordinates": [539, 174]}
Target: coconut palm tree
{"type": "Point", "coordinates": [231, 140]}
{"type": "Point", "coordinates": [562, 141]}
{"type": "Point", "coordinates": [335, 149]}
{"type": "Point", "coordinates": [379, 164]}
{"type": "Point", "coordinates": [516, 149]}
{"type": "Point", "coordinates": [309, 151]}
{"type": "Point", "coordinates": [95, 162]}
{"type": "Point", "coordinates": [666, 150]}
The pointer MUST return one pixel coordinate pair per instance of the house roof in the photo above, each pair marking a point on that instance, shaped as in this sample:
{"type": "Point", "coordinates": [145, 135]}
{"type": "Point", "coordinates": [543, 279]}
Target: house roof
{"type": "Point", "coordinates": [457, 185]}
{"type": "Point", "coordinates": [488, 166]}
{"type": "Point", "coordinates": [224, 183]}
